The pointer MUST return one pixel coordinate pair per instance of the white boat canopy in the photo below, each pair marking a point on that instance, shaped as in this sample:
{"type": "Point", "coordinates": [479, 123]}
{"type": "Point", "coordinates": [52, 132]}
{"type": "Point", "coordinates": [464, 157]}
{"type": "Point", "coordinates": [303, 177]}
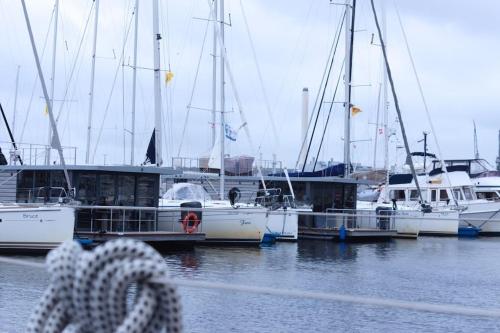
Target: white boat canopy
{"type": "Point", "coordinates": [187, 191]}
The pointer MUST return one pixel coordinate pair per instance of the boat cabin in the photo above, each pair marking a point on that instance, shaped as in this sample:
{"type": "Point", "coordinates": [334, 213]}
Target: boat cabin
{"type": "Point", "coordinates": [485, 179]}
{"type": "Point", "coordinates": [436, 189]}
{"type": "Point", "coordinates": [108, 198]}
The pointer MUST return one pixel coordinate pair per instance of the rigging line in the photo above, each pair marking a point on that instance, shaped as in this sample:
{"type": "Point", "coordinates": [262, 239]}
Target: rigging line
{"type": "Point", "coordinates": [377, 127]}
{"type": "Point", "coordinates": [111, 93]}
{"type": "Point", "coordinates": [424, 101]}
{"type": "Point", "coordinates": [304, 140]}
{"type": "Point", "coordinates": [25, 122]}
{"type": "Point", "coordinates": [166, 111]}
{"type": "Point", "coordinates": [336, 42]}
{"type": "Point", "coordinates": [7, 180]}
{"type": "Point", "coordinates": [124, 132]}
{"type": "Point", "coordinates": [193, 89]}
{"type": "Point", "coordinates": [291, 61]}
{"type": "Point", "coordinates": [328, 117]}
{"type": "Point", "coordinates": [259, 74]}
{"type": "Point", "coordinates": [74, 64]}
{"type": "Point", "coordinates": [396, 103]}
{"type": "Point", "coordinates": [235, 90]}
{"type": "Point", "coordinates": [447, 309]}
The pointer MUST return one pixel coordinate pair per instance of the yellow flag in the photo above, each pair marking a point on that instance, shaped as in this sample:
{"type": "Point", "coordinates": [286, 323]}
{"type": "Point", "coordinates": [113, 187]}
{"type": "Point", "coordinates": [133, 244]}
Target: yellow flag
{"type": "Point", "coordinates": [46, 111]}
{"type": "Point", "coordinates": [355, 110]}
{"type": "Point", "coordinates": [168, 77]}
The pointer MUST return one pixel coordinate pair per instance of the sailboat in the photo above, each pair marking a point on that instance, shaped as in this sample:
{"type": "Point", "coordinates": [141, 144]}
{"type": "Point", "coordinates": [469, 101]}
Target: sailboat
{"type": "Point", "coordinates": [223, 220]}
{"type": "Point", "coordinates": [36, 227]}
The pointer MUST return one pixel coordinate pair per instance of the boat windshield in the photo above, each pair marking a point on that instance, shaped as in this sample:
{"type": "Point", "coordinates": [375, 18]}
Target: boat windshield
{"type": "Point", "coordinates": [187, 191]}
{"type": "Point", "coordinates": [488, 195]}
{"type": "Point", "coordinates": [457, 193]}
{"type": "Point", "coordinates": [469, 194]}
{"type": "Point", "coordinates": [480, 166]}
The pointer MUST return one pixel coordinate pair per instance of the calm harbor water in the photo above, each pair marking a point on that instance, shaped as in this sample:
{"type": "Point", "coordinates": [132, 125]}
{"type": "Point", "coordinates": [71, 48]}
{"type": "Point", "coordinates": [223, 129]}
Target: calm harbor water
{"type": "Point", "coordinates": [435, 270]}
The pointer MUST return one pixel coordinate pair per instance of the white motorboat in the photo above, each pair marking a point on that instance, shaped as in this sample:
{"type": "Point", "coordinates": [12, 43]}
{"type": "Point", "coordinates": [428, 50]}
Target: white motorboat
{"type": "Point", "coordinates": [484, 177]}
{"type": "Point", "coordinates": [218, 219]}
{"type": "Point", "coordinates": [35, 227]}
{"type": "Point", "coordinates": [452, 192]}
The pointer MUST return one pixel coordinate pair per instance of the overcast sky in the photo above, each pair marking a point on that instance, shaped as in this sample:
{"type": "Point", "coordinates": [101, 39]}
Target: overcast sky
{"type": "Point", "coordinates": [454, 45]}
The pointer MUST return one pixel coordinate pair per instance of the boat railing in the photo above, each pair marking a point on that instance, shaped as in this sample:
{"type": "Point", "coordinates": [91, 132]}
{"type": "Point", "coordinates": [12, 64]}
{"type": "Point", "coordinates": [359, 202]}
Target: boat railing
{"type": "Point", "coordinates": [42, 194]}
{"type": "Point", "coordinates": [274, 198]}
{"type": "Point", "coordinates": [37, 154]}
{"type": "Point", "coordinates": [200, 164]}
{"type": "Point", "coordinates": [115, 219]}
{"type": "Point", "coordinates": [359, 219]}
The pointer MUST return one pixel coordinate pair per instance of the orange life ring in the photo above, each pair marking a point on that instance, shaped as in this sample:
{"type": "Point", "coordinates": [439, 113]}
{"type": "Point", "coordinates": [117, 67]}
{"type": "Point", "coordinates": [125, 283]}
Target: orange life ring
{"type": "Point", "coordinates": [190, 223]}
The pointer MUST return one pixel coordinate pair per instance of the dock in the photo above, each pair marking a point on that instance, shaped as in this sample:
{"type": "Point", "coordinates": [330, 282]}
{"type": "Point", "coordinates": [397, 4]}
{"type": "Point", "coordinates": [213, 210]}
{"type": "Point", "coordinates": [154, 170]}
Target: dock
{"type": "Point", "coordinates": [348, 235]}
{"type": "Point", "coordinates": [157, 239]}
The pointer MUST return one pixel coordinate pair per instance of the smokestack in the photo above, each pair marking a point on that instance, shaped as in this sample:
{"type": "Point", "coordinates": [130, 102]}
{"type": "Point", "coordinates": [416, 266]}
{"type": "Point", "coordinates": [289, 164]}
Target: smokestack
{"type": "Point", "coordinates": [304, 122]}
{"type": "Point", "coordinates": [305, 111]}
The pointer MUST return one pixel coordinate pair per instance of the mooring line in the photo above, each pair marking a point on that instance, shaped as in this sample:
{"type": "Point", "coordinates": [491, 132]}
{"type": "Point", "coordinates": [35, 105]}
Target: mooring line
{"type": "Point", "coordinates": [450, 309]}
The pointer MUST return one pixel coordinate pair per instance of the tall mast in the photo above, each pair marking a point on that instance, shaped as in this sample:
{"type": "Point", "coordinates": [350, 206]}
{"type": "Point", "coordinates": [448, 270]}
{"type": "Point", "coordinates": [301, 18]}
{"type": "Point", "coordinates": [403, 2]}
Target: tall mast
{"type": "Point", "coordinates": [222, 103]}
{"type": "Point", "coordinates": [157, 87]}
{"type": "Point", "coordinates": [396, 104]}
{"type": "Point", "coordinates": [349, 17]}
{"type": "Point", "coordinates": [53, 75]}
{"type": "Point", "coordinates": [91, 92]}
{"type": "Point", "coordinates": [134, 83]}
{"type": "Point", "coordinates": [15, 102]}
{"type": "Point", "coordinates": [386, 98]}
{"type": "Point", "coordinates": [55, 142]}
{"type": "Point", "coordinates": [214, 76]}
{"type": "Point", "coordinates": [377, 122]}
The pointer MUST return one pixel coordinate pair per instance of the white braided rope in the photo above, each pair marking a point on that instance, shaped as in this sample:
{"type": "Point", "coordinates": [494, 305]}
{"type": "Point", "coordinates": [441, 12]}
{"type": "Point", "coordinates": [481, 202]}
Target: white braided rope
{"type": "Point", "coordinates": [88, 291]}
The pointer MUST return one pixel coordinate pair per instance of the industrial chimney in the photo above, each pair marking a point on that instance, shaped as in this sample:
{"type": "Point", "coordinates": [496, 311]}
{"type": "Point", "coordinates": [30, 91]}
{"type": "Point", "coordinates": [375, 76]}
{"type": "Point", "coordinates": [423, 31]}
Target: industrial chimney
{"type": "Point", "coordinates": [304, 122]}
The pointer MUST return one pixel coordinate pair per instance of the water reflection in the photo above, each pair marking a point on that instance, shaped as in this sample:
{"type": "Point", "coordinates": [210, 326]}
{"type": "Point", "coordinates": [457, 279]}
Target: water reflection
{"type": "Point", "coordinates": [439, 270]}
{"type": "Point", "coordinates": [311, 250]}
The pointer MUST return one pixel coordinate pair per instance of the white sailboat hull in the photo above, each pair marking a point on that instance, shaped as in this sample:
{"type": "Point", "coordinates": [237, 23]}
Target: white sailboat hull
{"type": "Point", "coordinates": [284, 224]}
{"type": "Point", "coordinates": [35, 228]}
{"type": "Point", "coordinates": [485, 216]}
{"type": "Point", "coordinates": [220, 225]}
{"type": "Point", "coordinates": [436, 223]}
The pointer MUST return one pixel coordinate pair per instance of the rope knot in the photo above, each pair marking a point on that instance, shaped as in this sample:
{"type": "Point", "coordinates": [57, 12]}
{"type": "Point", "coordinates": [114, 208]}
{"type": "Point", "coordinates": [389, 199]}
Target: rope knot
{"type": "Point", "coordinates": [113, 288]}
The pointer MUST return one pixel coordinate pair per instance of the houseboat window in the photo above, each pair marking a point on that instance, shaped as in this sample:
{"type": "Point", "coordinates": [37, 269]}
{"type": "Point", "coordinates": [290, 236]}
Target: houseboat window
{"type": "Point", "coordinates": [433, 195]}
{"type": "Point", "coordinates": [398, 195]}
{"type": "Point", "coordinates": [58, 185]}
{"type": "Point", "coordinates": [147, 193]}
{"type": "Point", "coordinates": [106, 190]}
{"type": "Point", "coordinates": [349, 196]}
{"type": "Point", "coordinates": [42, 186]}
{"type": "Point", "coordinates": [86, 189]}
{"type": "Point", "coordinates": [126, 189]}
{"type": "Point", "coordinates": [468, 193]}
{"type": "Point", "coordinates": [443, 195]}
{"type": "Point", "coordinates": [458, 194]}
{"type": "Point", "coordinates": [24, 191]}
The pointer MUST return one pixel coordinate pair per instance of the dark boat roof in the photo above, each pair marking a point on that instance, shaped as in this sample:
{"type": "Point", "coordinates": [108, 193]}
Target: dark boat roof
{"type": "Point", "coordinates": [96, 168]}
